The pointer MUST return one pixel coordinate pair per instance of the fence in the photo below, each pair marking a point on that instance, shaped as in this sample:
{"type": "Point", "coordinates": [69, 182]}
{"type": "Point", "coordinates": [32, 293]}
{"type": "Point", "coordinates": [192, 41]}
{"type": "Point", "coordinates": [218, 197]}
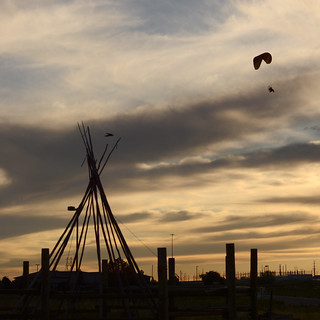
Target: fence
{"type": "Point", "coordinates": [168, 294]}
{"type": "Point", "coordinates": [173, 300]}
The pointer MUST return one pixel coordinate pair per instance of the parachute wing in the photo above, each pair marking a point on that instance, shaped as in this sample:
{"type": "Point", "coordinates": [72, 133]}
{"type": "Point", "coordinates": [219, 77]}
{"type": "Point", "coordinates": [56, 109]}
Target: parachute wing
{"type": "Point", "coordinates": [266, 57]}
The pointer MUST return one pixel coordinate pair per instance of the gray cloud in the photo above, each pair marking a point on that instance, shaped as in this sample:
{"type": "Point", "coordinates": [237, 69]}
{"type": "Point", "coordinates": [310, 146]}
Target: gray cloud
{"type": "Point", "coordinates": [45, 163]}
{"type": "Point", "coordinates": [233, 222]}
{"type": "Point", "coordinates": [181, 215]}
{"type": "Point", "coordinates": [263, 235]}
{"type": "Point", "coordinates": [307, 200]}
{"type": "Point", "coordinates": [174, 17]}
{"type": "Point", "coordinates": [39, 162]}
{"type": "Point", "coordinates": [22, 75]}
{"type": "Point", "coordinates": [277, 159]}
{"type": "Point", "coordinates": [17, 225]}
{"type": "Point", "coordinates": [189, 129]}
{"type": "Point", "coordinates": [133, 217]}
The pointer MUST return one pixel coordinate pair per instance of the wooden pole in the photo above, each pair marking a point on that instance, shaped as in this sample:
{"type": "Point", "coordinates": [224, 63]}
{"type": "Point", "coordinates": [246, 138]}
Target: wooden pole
{"type": "Point", "coordinates": [231, 281]}
{"type": "Point", "coordinates": [25, 276]}
{"type": "Point", "coordinates": [172, 282]}
{"type": "Point", "coordinates": [163, 284]}
{"type": "Point", "coordinates": [104, 286]}
{"type": "Point", "coordinates": [253, 283]}
{"type": "Point", "coordinates": [45, 287]}
{"type": "Point", "coordinates": [172, 273]}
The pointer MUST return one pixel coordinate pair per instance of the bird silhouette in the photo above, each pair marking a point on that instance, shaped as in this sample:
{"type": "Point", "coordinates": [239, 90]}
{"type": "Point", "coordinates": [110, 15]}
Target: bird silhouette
{"type": "Point", "coordinates": [270, 89]}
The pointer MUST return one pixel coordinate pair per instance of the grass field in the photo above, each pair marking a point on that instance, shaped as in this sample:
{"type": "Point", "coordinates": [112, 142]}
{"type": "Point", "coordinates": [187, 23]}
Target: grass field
{"type": "Point", "coordinates": [294, 288]}
{"type": "Point", "coordinates": [307, 289]}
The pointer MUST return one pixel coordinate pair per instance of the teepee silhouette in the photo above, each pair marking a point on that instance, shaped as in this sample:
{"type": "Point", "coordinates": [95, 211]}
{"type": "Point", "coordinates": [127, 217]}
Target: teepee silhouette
{"type": "Point", "coordinates": [94, 212]}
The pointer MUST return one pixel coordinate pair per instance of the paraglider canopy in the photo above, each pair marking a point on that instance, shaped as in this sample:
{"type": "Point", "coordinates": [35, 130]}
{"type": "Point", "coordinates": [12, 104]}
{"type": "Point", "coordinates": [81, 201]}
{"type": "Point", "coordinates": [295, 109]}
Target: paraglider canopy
{"type": "Point", "coordinates": [258, 59]}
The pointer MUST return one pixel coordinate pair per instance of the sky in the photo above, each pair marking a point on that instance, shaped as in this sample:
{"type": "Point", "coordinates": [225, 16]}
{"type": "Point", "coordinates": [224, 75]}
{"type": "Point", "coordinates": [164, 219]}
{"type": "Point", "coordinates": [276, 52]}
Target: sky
{"type": "Point", "coordinates": [206, 152]}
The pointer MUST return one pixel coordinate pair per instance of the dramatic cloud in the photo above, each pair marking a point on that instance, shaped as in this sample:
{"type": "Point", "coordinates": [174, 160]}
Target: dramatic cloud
{"type": "Point", "coordinates": [13, 225]}
{"type": "Point", "coordinates": [180, 216]}
{"type": "Point", "coordinates": [308, 200]}
{"type": "Point", "coordinates": [206, 152]}
{"type": "Point", "coordinates": [231, 223]}
{"type": "Point", "coordinates": [134, 217]}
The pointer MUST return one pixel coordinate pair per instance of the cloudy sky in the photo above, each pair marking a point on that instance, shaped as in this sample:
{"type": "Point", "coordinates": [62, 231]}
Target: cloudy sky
{"type": "Point", "coordinates": [206, 152]}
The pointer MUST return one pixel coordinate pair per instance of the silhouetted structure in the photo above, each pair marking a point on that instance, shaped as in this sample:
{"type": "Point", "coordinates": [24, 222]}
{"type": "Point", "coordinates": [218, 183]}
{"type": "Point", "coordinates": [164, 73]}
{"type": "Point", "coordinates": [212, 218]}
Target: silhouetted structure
{"type": "Point", "coordinates": [115, 262]}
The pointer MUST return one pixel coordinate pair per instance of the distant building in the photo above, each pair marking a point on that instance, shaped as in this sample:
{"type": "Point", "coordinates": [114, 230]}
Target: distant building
{"type": "Point", "coordinates": [63, 280]}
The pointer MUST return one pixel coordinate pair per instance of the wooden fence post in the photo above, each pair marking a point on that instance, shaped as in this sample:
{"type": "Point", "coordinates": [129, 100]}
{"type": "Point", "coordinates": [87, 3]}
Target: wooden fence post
{"type": "Point", "coordinates": [172, 272]}
{"type": "Point", "coordinates": [104, 287]}
{"type": "Point", "coordinates": [172, 282]}
{"type": "Point", "coordinates": [231, 281]}
{"type": "Point", "coordinates": [45, 285]}
{"type": "Point", "coordinates": [25, 276]}
{"type": "Point", "coordinates": [163, 284]}
{"type": "Point", "coordinates": [253, 283]}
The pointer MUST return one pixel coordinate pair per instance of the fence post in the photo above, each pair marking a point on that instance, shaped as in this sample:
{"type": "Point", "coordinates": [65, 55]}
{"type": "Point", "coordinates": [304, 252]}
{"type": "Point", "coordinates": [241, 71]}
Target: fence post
{"type": "Point", "coordinates": [45, 285]}
{"type": "Point", "coordinates": [253, 283]}
{"type": "Point", "coordinates": [231, 281]}
{"type": "Point", "coordinates": [172, 282]}
{"type": "Point", "coordinates": [25, 276]}
{"type": "Point", "coordinates": [172, 272]}
{"type": "Point", "coordinates": [104, 286]}
{"type": "Point", "coordinates": [163, 284]}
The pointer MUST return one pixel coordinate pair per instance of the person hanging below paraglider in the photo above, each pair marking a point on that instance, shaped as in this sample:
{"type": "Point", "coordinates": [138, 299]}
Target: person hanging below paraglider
{"type": "Point", "coordinates": [267, 58]}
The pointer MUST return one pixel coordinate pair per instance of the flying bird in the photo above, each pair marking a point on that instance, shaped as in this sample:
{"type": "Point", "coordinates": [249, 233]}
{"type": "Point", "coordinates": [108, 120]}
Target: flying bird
{"type": "Point", "coordinates": [270, 89]}
{"type": "Point", "coordinates": [108, 135]}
